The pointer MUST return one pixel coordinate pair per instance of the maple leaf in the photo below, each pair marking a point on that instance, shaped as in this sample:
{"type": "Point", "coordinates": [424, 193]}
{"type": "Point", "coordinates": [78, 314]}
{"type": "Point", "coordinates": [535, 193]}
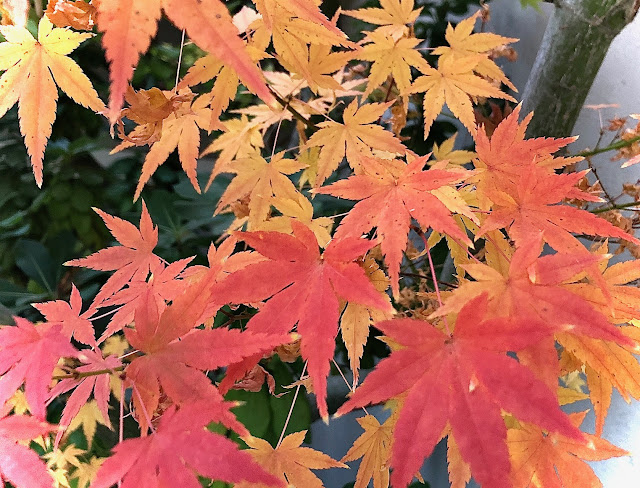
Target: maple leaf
{"type": "Point", "coordinates": [85, 473]}
{"type": "Point", "coordinates": [542, 460]}
{"type": "Point", "coordinates": [19, 465]}
{"type": "Point", "coordinates": [464, 379]}
{"type": "Point", "coordinates": [74, 324]}
{"type": "Point", "coordinates": [533, 288]}
{"type": "Point", "coordinates": [391, 197]}
{"type": "Point", "coordinates": [298, 208]}
{"type": "Point", "coordinates": [263, 182]}
{"type": "Point", "coordinates": [393, 17]}
{"type": "Point", "coordinates": [14, 12]}
{"type": "Point", "coordinates": [241, 138]}
{"type": "Point", "coordinates": [173, 366]}
{"type": "Point", "coordinates": [128, 30]}
{"type": "Point", "coordinates": [354, 138]}
{"type": "Point", "coordinates": [316, 64]}
{"type": "Point", "coordinates": [446, 152]}
{"type": "Point", "coordinates": [393, 57]}
{"type": "Point", "coordinates": [162, 286]}
{"type": "Point", "coordinates": [304, 288]}
{"type": "Point", "coordinates": [306, 10]}
{"type": "Point", "coordinates": [356, 318]}
{"type": "Point", "coordinates": [463, 43]}
{"type": "Point", "coordinates": [131, 261]}
{"type": "Point", "coordinates": [31, 66]}
{"type": "Point", "coordinates": [29, 354]}
{"type": "Point", "coordinates": [289, 461]}
{"type": "Point", "coordinates": [67, 13]}
{"type": "Point", "coordinates": [374, 447]}
{"type": "Point", "coordinates": [453, 83]}
{"type": "Point", "coordinates": [93, 361]}
{"type": "Point", "coordinates": [608, 366]}
{"type": "Point", "coordinates": [181, 447]}
{"type": "Point", "coordinates": [88, 417]}
{"type": "Point", "coordinates": [531, 206]}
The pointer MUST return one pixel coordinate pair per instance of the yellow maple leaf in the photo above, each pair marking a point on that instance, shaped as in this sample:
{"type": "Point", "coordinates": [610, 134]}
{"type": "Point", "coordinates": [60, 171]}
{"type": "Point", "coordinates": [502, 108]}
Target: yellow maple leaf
{"type": "Point", "coordinates": [86, 472]}
{"type": "Point", "coordinates": [356, 318]}
{"type": "Point", "coordinates": [289, 461]}
{"type": "Point", "coordinates": [393, 17]}
{"type": "Point", "coordinates": [393, 57]}
{"type": "Point", "coordinates": [446, 152]}
{"type": "Point", "coordinates": [263, 182]}
{"type": "Point", "coordinates": [456, 84]}
{"type": "Point", "coordinates": [30, 67]}
{"type": "Point", "coordinates": [88, 418]}
{"type": "Point", "coordinates": [374, 447]}
{"type": "Point", "coordinates": [463, 43]}
{"type": "Point", "coordinates": [355, 138]}
{"type": "Point", "coordinates": [300, 209]}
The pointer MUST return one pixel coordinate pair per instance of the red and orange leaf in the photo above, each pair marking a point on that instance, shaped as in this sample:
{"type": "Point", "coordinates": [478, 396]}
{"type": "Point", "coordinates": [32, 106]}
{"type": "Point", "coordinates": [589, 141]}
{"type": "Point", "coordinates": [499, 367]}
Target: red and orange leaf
{"type": "Point", "coordinates": [131, 261]}
{"type": "Point", "coordinates": [74, 323]}
{"type": "Point", "coordinates": [128, 28]}
{"type": "Point", "coordinates": [28, 355]}
{"type": "Point", "coordinates": [464, 379]}
{"type": "Point", "coordinates": [30, 69]}
{"type": "Point", "coordinates": [289, 461]}
{"type": "Point", "coordinates": [99, 384]}
{"type": "Point", "coordinates": [305, 289]}
{"type": "Point", "coordinates": [179, 448]}
{"type": "Point", "coordinates": [532, 205]}
{"type": "Point", "coordinates": [19, 465]}
{"type": "Point", "coordinates": [354, 138]}
{"type": "Point", "coordinates": [391, 197]}
{"type": "Point", "coordinates": [176, 353]}
{"type": "Point", "coordinates": [533, 288]}
{"type": "Point", "coordinates": [542, 460]}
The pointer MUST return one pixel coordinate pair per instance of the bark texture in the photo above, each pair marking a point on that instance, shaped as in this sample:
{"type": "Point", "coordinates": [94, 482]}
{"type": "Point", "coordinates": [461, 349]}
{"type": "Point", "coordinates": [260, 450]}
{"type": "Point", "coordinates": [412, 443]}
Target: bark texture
{"type": "Point", "coordinates": [575, 43]}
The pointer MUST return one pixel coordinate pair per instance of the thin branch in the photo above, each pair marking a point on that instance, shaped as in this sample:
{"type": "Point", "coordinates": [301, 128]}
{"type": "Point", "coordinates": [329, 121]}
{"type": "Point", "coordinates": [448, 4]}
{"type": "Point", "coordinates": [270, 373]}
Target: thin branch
{"type": "Point", "coordinates": [285, 104]}
{"type": "Point", "coordinates": [179, 61]}
{"type": "Point", "coordinates": [610, 147]}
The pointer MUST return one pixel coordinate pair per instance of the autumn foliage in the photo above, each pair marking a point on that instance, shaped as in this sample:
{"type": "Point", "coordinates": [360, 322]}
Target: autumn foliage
{"type": "Point", "coordinates": [484, 359]}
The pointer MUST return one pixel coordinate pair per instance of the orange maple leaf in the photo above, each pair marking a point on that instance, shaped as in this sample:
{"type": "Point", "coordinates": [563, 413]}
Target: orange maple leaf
{"type": "Point", "coordinates": [289, 461]}
{"type": "Point", "coordinates": [542, 460]}
{"type": "Point", "coordinates": [28, 80]}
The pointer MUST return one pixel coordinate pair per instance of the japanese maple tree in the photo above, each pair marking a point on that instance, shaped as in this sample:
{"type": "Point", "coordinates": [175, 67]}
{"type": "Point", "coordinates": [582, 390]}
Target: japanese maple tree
{"type": "Point", "coordinates": [485, 357]}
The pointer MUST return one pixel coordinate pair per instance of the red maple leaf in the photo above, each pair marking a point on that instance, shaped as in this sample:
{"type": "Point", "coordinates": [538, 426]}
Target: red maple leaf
{"type": "Point", "coordinates": [180, 448]}
{"type": "Point", "coordinates": [28, 354]}
{"type": "Point", "coordinates": [464, 379]}
{"type": "Point", "coordinates": [163, 285]}
{"type": "Point", "coordinates": [98, 384]}
{"type": "Point", "coordinates": [19, 465]}
{"type": "Point", "coordinates": [68, 315]}
{"type": "Point", "coordinates": [304, 287]}
{"type": "Point", "coordinates": [390, 198]}
{"type": "Point", "coordinates": [131, 261]}
{"type": "Point", "coordinates": [175, 367]}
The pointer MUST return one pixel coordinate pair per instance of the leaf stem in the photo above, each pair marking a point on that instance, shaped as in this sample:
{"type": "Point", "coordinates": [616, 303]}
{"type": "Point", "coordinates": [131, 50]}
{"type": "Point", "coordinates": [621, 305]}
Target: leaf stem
{"type": "Point", "coordinates": [85, 374]}
{"type": "Point", "coordinates": [307, 123]}
{"type": "Point", "coordinates": [619, 206]}
{"type": "Point", "coordinates": [293, 402]}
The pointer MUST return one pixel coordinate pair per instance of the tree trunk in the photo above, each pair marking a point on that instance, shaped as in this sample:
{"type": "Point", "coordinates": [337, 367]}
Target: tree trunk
{"type": "Point", "coordinates": [574, 45]}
